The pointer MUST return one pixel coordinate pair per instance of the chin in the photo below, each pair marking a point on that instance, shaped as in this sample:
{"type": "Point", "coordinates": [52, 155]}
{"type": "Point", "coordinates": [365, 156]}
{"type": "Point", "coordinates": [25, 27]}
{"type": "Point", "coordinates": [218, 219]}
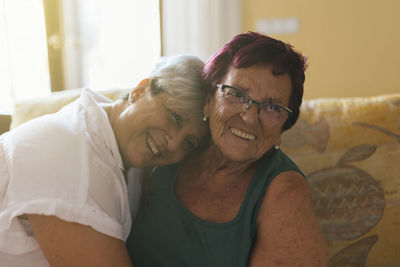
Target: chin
{"type": "Point", "coordinates": [136, 163]}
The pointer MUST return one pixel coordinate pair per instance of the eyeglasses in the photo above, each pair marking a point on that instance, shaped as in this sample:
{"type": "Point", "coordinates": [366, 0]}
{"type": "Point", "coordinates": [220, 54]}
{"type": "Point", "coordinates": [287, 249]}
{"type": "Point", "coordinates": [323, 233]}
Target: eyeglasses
{"type": "Point", "coordinates": [265, 109]}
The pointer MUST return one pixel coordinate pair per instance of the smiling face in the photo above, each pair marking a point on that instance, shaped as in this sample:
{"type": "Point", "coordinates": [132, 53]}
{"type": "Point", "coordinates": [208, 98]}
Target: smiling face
{"type": "Point", "coordinates": [237, 132]}
{"type": "Point", "coordinates": [152, 132]}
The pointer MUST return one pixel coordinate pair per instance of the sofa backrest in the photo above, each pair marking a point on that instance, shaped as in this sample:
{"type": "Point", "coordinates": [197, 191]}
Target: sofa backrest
{"type": "Point", "coordinates": [349, 149]}
{"type": "Point", "coordinates": [29, 109]}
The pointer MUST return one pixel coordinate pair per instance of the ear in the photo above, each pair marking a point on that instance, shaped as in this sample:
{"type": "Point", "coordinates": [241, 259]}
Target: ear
{"type": "Point", "coordinates": [139, 90]}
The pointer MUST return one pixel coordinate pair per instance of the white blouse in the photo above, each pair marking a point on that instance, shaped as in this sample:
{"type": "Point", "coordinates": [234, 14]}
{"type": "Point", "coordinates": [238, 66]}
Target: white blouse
{"type": "Point", "coordinates": [65, 164]}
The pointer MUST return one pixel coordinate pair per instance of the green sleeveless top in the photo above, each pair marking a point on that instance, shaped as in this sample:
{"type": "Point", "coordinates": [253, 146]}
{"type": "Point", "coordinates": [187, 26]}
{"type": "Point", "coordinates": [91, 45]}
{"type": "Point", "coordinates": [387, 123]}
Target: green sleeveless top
{"type": "Point", "coordinates": [165, 233]}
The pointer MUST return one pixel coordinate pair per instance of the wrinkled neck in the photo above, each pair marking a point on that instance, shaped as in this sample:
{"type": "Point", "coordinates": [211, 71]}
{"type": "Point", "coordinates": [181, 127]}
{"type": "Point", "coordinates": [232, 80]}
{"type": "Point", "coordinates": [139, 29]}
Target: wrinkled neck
{"type": "Point", "coordinates": [212, 161]}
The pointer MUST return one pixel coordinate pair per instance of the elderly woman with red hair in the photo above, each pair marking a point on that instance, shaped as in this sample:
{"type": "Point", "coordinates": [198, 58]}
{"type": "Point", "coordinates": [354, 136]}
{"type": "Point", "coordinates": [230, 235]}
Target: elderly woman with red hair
{"type": "Point", "coordinates": [240, 201]}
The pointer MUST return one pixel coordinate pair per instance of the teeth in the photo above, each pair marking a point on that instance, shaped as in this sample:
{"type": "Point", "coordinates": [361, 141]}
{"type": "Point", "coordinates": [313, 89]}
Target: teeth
{"type": "Point", "coordinates": [152, 146]}
{"type": "Point", "coordinates": [241, 134]}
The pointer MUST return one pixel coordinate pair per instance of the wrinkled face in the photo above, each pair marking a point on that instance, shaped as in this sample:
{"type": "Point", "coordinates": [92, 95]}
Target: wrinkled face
{"type": "Point", "coordinates": [150, 132]}
{"type": "Point", "coordinates": [240, 133]}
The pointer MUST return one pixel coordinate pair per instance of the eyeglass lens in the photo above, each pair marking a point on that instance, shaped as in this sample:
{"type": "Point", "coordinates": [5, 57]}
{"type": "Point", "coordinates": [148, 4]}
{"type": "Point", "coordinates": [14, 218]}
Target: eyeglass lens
{"type": "Point", "coordinates": [270, 109]}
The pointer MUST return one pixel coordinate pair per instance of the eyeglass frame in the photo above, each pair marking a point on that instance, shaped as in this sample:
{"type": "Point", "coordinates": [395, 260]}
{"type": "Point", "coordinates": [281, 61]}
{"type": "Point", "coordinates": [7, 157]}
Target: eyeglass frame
{"type": "Point", "coordinates": [251, 101]}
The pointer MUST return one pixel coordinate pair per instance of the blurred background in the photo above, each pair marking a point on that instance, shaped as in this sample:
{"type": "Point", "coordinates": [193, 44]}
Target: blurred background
{"type": "Point", "coordinates": [53, 45]}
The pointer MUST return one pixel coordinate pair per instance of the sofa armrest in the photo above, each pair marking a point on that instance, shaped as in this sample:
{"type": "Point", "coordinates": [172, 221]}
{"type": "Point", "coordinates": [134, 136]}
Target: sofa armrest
{"type": "Point", "coordinates": [5, 121]}
{"type": "Point", "coordinates": [32, 108]}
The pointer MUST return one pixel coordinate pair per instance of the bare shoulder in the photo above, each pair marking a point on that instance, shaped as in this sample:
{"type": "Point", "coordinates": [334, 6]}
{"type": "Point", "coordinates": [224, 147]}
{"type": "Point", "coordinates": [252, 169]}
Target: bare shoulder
{"type": "Point", "coordinates": [71, 244]}
{"type": "Point", "coordinates": [288, 233]}
{"type": "Point", "coordinates": [291, 183]}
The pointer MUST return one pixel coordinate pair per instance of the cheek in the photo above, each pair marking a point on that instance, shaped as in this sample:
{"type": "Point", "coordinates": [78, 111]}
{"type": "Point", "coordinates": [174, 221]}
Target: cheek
{"type": "Point", "coordinates": [218, 118]}
{"type": "Point", "coordinates": [126, 127]}
{"type": "Point", "coordinates": [271, 138]}
{"type": "Point", "coordinates": [132, 148]}
{"type": "Point", "coordinates": [179, 155]}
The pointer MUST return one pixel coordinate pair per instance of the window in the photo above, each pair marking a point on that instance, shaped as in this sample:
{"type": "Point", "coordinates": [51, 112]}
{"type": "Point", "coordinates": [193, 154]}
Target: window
{"type": "Point", "coordinates": [102, 44]}
{"type": "Point", "coordinates": [110, 44]}
{"type": "Point", "coordinates": [23, 54]}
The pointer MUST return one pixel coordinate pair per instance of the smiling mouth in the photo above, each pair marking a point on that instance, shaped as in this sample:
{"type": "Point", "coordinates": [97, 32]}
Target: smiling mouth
{"type": "Point", "coordinates": [152, 146]}
{"type": "Point", "coordinates": [243, 135]}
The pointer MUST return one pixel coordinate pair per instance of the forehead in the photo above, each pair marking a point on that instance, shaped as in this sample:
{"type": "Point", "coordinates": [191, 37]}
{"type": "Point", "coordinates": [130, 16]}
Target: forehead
{"type": "Point", "coordinates": [259, 82]}
{"type": "Point", "coordinates": [191, 113]}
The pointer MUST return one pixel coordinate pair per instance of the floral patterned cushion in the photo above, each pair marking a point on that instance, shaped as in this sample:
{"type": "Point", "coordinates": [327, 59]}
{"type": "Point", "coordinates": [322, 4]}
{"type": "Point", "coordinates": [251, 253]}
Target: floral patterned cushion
{"type": "Point", "coordinates": [349, 149]}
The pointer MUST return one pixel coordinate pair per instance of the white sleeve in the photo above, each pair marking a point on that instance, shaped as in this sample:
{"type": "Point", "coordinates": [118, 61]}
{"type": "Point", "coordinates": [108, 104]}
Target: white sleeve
{"type": "Point", "coordinates": [134, 182]}
{"type": "Point", "coordinates": [49, 173]}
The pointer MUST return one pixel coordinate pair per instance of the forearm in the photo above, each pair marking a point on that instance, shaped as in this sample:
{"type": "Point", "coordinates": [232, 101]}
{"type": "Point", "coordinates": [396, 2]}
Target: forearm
{"type": "Point", "coordinates": [70, 244]}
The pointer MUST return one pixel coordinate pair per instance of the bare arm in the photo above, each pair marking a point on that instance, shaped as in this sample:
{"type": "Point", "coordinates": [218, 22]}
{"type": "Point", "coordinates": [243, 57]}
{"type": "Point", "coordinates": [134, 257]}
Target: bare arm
{"type": "Point", "coordinates": [288, 233]}
{"type": "Point", "coordinates": [72, 244]}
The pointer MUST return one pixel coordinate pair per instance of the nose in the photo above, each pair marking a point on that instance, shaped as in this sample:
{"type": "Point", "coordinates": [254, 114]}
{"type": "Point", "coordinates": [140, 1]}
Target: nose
{"type": "Point", "coordinates": [250, 115]}
{"type": "Point", "coordinates": [251, 102]}
{"type": "Point", "coordinates": [172, 141]}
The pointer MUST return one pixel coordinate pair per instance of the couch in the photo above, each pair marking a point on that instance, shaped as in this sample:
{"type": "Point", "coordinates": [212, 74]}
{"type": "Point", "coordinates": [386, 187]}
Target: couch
{"type": "Point", "coordinates": [349, 149]}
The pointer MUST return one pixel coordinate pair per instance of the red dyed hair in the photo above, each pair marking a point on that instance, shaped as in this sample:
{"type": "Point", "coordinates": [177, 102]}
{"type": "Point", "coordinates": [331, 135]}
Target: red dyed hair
{"type": "Point", "coordinates": [250, 49]}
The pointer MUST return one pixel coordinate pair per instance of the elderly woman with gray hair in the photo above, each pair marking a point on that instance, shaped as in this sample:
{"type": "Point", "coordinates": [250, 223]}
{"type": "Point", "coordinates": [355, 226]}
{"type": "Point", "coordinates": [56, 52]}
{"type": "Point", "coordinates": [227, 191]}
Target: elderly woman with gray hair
{"type": "Point", "coordinates": [63, 193]}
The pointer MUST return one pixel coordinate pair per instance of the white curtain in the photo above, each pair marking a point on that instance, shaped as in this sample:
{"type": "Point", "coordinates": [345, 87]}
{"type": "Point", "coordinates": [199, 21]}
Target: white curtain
{"type": "Point", "coordinates": [199, 27]}
{"type": "Point", "coordinates": [109, 44]}
{"type": "Point", "coordinates": [24, 71]}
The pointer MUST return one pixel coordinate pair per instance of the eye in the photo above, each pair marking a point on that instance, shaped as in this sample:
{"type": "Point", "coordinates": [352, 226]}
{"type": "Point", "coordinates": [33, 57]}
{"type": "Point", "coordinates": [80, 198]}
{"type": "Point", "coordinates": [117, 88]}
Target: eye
{"type": "Point", "coordinates": [235, 95]}
{"type": "Point", "coordinates": [176, 117]}
{"type": "Point", "coordinates": [190, 143]}
{"type": "Point", "coordinates": [272, 109]}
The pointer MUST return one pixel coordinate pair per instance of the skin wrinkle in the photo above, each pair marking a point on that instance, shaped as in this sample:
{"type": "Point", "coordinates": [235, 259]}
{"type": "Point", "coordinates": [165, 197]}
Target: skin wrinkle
{"type": "Point", "coordinates": [149, 116]}
{"type": "Point", "coordinates": [215, 197]}
{"type": "Point", "coordinates": [231, 160]}
{"type": "Point", "coordinates": [216, 168]}
{"type": "Point", "coordinates": [217, 155]}
{"type": "Point", "coordinates": [286, 230]}
{"type": "Point", "coordinates": [219, 164]}
{"type": "Point", "coordinates": [219, 118]}
{"type": "Point", "coordinates": [224, 115]}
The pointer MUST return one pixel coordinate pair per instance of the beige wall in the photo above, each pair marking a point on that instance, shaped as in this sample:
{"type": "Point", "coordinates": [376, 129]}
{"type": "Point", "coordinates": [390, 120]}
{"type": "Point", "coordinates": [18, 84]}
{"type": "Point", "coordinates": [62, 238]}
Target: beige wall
{"type": "Point", "coordinates": [352, 45]}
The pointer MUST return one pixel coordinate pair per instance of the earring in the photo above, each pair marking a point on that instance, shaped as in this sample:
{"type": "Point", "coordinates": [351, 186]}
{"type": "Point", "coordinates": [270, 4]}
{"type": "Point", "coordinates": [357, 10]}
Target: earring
{"type": "Point", "coordinates": [205, 118]}
{"type": "Point", "coordinates": [276, 147]}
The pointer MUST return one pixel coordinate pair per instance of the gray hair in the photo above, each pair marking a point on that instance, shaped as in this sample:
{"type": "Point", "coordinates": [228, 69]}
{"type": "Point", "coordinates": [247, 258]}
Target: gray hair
{"type": "Point", "coordinates": [180, 76]}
